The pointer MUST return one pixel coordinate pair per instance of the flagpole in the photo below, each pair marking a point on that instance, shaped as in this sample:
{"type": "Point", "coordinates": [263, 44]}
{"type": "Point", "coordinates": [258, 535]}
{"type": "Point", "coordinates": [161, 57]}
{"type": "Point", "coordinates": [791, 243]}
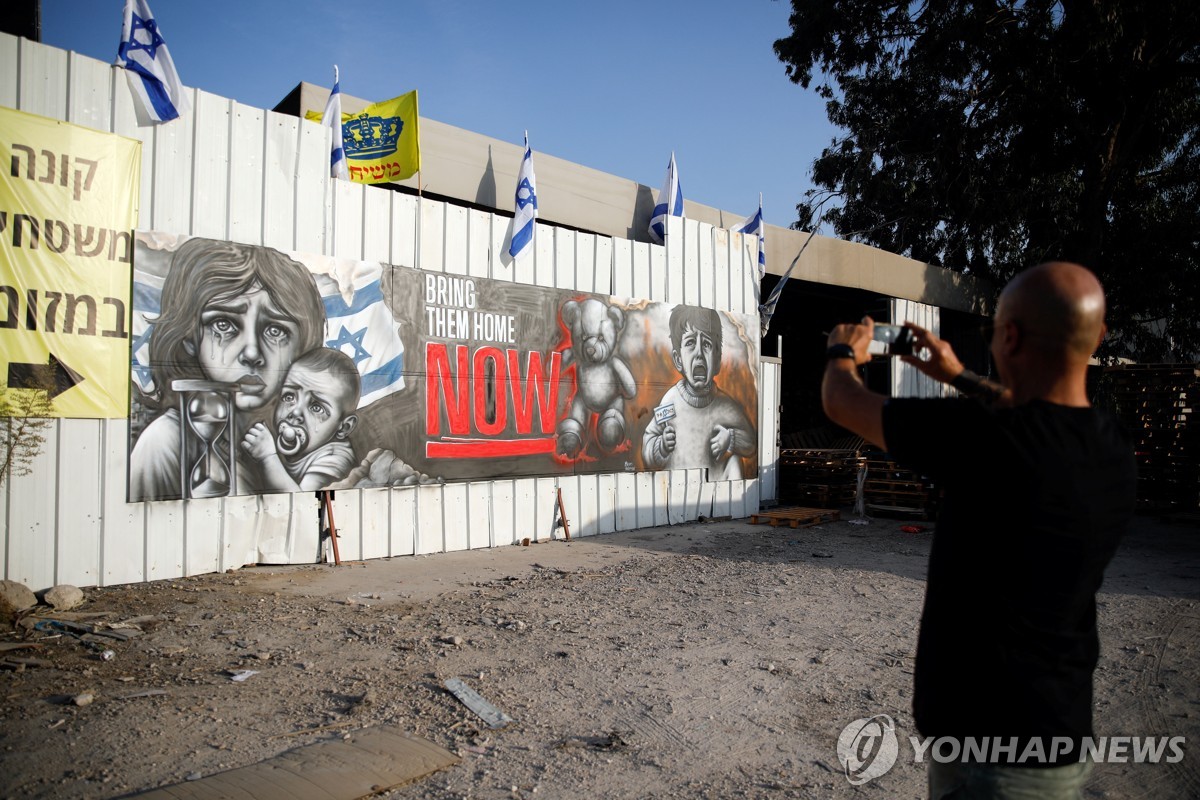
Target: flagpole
{"type": "Point", "coordinates": [766, 310]}
{"type": "Point", "coordinates": [769, 305]}
{"type": "Point", "coordinates": [760, 266]}
{"type": "Point", "coordinates": [672, 178]}
{"type": "Point", "coordinates": [420, 219]}
{"type": "Point", "coordinates": [333, 106]}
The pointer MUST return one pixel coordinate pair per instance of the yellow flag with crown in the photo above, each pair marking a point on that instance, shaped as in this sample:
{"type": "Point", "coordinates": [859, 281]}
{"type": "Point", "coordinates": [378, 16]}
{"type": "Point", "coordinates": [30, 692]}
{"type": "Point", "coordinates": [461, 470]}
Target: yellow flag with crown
{"type": "Point", "coordinates": [382, 142]}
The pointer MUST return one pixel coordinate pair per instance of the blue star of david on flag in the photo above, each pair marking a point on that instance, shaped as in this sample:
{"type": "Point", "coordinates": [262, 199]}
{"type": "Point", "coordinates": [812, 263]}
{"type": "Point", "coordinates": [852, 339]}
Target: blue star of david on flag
{"type": "Point", "coordinates": [147, 62]}
{"type": "Point", "coordinates": [142, 375]}
{"type": "Point", "coordinates": [524, 221]}
{"type": "Point", "coordinates": [525, 194]}
{"type": "Point", "coordinates": [366, 332]}
{"type": "Point", "coordinates": [150, 26]}
{"type": "Point", "coordinates": [147, 304]}
{"type": "Point", "coordinates": [352, 340]}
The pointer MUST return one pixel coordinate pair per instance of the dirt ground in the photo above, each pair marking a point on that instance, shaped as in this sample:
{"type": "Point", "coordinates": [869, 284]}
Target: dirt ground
{"type": "Point", "coordinates": [716, 659]}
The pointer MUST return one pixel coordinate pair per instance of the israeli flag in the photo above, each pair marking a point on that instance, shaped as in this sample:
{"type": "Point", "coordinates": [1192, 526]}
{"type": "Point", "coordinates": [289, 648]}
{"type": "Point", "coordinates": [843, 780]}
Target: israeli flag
{"type": "Point", "coordinates": [670, 204]}
{"type": "Point", "coordinates": [754, 226]}
{"type": "Point", "coordinates": [332, 119]}
{"type": "Point", "coordinates": [525, 220]}
{"type": "Point", "coordinates": [148, 65]}
{"type": "Point", "coordinates": [362, 327]}
{"type": "Point", "coordinates": [767, 309]}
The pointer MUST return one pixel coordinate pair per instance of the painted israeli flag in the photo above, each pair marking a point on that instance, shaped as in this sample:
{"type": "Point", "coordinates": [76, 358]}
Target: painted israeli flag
{"type": "Point", "coordinates": [525, 220]}
{"type": "Point", "coordinates": [147, 304]}
{"type": "Point", "coordinates": [754, 226]}
{"type": "Point", "coordinates": [332, 119]}
{"type": "Point", "coordinates": [670, 204]}
{"type": "Point", "coordinates": [362, 327]}
{"type": "Point", "coordinates": [148, 65]}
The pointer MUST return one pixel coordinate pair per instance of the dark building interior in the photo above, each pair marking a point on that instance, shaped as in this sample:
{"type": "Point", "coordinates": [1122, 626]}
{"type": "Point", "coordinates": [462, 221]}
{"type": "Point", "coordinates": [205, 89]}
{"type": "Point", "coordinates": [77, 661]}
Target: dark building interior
{"type": "Point", "coordinates": [807, 311]}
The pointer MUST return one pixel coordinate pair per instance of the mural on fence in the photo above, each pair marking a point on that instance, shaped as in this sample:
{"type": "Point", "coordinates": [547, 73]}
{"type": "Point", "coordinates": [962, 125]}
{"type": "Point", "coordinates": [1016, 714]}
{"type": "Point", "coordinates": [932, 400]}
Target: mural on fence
{"type": "Point", "coordinates": [256, 371]}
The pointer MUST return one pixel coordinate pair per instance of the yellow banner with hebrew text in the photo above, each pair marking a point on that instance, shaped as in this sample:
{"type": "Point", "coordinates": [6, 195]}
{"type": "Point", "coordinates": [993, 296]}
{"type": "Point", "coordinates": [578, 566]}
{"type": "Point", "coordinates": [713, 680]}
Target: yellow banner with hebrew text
{"type": "Point", "coordinates": [383, 141]}
{"type": "Point", "coordinates": [68, 206]}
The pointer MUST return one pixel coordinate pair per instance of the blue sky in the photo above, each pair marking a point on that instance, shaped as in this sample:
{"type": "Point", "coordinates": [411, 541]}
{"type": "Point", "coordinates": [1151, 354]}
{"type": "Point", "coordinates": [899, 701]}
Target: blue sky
{"type": "Point", "coordinates": [615, 86]}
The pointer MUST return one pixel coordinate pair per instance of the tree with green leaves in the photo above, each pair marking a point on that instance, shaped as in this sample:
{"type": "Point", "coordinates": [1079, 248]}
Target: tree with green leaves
{"type": "Point", "coordinates": [986, 137]}
{"type": "Point", "coordinates": [25, 420]}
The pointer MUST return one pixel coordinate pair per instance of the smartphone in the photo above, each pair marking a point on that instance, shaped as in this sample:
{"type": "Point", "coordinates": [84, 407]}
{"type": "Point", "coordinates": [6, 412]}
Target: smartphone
{"type": "Point", "coordinates": [891, 340]}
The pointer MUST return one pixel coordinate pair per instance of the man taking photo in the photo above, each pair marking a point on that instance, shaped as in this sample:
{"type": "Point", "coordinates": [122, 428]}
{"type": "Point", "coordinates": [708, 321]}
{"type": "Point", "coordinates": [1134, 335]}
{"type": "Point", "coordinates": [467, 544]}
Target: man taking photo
{"type": "Point", "coordinates": [1039, 488]}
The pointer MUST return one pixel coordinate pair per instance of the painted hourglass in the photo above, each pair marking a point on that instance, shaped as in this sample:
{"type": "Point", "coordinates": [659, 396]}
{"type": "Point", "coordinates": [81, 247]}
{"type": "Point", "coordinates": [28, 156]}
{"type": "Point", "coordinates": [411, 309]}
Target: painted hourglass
{"type": "Point", "coordinates": [208, 461]}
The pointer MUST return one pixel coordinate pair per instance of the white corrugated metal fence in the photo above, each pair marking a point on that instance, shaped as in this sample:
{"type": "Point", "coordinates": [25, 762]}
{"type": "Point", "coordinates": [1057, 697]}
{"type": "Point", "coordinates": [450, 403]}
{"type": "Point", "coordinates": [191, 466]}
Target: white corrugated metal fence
{"type": "Point", "coordinates": [229, 171]}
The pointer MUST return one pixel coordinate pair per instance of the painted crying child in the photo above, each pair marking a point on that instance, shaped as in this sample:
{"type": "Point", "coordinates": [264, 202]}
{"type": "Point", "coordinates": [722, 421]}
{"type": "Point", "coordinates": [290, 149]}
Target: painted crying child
{"type": "Point", "coordinates": [313, 420]}
{"type": "Point", "coordinates": [696, 424]}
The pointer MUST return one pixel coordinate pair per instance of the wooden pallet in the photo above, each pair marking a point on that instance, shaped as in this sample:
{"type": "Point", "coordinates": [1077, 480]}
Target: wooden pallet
{"type": "Point", "coordinates": [796, 517]}
{"type": "Point", "coordinates": [894, 485]}
{"type": "Point", "coordinates": [885, 510]}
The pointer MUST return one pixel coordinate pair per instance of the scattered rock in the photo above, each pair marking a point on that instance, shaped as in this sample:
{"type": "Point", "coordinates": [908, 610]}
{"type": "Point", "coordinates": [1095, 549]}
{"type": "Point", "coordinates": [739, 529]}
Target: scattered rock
{"type": "Point", "coordinates": [64, 597]}
{"type": "Point", "coordinates": [15, 597]}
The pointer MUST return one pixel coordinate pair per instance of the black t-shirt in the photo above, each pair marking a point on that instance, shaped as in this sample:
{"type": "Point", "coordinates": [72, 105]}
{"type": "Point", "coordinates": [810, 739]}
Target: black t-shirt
{"type": "Point", "coordinates": [1036, 500]}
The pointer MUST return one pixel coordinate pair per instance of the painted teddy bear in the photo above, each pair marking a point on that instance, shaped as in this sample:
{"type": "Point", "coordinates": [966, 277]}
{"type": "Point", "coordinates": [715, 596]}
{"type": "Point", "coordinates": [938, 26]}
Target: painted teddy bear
{"type": "Point", "coordinates": [602, 378]}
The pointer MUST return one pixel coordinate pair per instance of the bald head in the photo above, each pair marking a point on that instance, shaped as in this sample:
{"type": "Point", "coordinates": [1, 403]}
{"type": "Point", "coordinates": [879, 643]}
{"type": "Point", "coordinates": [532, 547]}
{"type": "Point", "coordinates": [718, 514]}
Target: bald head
{"type": "Point", "coordinates": [1060, 305]}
